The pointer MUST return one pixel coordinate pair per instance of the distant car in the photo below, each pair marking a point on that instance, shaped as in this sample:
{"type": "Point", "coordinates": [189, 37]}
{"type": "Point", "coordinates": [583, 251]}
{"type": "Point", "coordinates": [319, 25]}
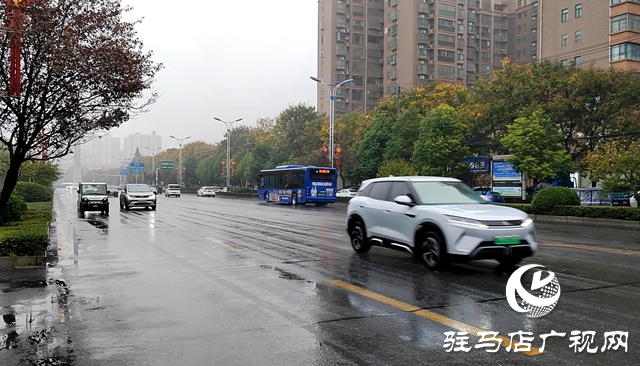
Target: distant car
{"type": "Point", "coordinates": [113, 191]}
{"type": "Point", "coordinates": [482, 190]}
{"type": "Point", "coordinates": [137, 195]}
{"type": "Point", "coordinates": [494, 197]}
{"type": "Point", "coordinates": [173, 190]}
{"type": "Point", "coordinates": [347, 192]}
{"type": "Point", "coordinates": [206, 192]}
{"type": "Point", "coordinates": [633, 202]}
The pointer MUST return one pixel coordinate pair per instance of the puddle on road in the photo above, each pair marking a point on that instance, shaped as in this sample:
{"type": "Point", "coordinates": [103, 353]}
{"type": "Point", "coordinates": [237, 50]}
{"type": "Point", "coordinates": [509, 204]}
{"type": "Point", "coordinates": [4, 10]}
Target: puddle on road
{"type": "Point", "coordinates": [21, 285]}
{"type": "Point", "coordinates": [98, 223]}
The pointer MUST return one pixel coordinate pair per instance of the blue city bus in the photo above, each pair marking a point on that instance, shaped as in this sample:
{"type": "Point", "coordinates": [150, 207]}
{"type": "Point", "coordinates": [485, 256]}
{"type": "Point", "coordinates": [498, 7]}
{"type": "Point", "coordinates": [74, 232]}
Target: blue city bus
{"type": "Point", "coordinates": [298, 184]}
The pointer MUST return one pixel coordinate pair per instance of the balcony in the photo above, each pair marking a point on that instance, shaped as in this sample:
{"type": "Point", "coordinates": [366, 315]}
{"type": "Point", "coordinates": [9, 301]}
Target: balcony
{"type": "Point", "coordinates": [423, 38]}
{"type": "Point", "coordinates": [341, 8]}
{"type": "Point", "coordinates": [375, 25]}
{"type": "Point", "coordinates": [423, 7]}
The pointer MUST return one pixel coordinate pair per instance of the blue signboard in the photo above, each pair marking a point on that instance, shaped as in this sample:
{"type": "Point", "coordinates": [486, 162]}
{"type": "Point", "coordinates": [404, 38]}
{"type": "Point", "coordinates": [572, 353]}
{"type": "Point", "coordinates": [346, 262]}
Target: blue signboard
{"type": "Point", "coordinates": [504, 171]}
{"type": "Point", "coordinates": [478, 164]}
{"type": "Point", "coordinates": [124, 170]}
{"type": "Point", "coordinates": [136, 168]}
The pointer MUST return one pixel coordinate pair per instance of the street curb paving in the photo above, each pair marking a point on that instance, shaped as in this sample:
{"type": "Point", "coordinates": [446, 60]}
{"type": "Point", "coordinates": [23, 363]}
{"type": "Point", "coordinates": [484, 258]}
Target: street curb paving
{"type": "Point", "coordinates": [586, 221]}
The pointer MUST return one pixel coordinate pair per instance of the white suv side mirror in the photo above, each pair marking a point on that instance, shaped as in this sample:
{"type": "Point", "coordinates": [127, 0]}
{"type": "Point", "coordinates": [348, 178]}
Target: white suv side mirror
{"type": "Point", "coordinates": [404, 200]}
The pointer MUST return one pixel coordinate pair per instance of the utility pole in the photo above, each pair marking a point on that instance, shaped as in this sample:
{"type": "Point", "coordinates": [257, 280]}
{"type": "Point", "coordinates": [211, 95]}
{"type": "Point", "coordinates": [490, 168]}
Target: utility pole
{"type": "Point", "coordinates": [228, 126]}
{"type": "Point", "coordinates": [153, 161]}
{"type": "Point", "coordinates": [180, 141]}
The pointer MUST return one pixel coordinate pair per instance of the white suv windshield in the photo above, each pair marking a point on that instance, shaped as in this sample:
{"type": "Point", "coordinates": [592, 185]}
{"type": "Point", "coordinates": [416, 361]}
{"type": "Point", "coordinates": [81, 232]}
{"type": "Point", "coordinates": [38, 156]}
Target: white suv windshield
{"type": "Point", "coordinates": [94, 189]}
{"type": "Point", "coordinates": [139, 188]}
{"type": "Point", "coordinates": [446, 193]}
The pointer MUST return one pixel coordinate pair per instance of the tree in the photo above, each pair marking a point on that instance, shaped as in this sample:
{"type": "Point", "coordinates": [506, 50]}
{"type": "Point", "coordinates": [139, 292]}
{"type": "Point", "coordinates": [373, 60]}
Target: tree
{"type": "Point", "coordinates": [585, 104]}
{"type": "Point", "coordinates": [440, 150]}
{"type": "Point", "coordinates": [85, 71]}
{"type": "Point", "coordinates": [536, 146]}
{"type": "Point", "coordinates": [370, 150]}
{"type": "Point", "coordinates": [616, 165]}
{"type": "Point", "coordinates": [404, 134]}
{"type": "Point", "coordinates": [45, 173]}
{"type": "Point", "coordinates": [137, 155]}
{"type": "Point", "coordinates": [397, 168]}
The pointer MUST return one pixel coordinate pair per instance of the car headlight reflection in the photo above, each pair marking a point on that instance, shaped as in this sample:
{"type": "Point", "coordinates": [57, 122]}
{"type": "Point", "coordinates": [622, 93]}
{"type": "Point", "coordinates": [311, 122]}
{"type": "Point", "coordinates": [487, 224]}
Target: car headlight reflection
{"type": "Point", "coordinates": [465, 221]}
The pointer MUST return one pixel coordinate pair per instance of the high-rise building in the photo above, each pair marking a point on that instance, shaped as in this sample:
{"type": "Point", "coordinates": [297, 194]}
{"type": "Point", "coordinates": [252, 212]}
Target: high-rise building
{"type": "Point", "coordinates": [385, 45]}
{"type": "Point", "coordinates": [145, 143]}
{"type": "Point", "coordinates": [624, 48]}
{"type": "Point", "coordinates": [524, 31]}
{"type": "Point", "coordinates": [575, 32]}
{"type": "Point", "coordinates": [102, 151]}
{"type": "Point", "coordinates": [351, 45]}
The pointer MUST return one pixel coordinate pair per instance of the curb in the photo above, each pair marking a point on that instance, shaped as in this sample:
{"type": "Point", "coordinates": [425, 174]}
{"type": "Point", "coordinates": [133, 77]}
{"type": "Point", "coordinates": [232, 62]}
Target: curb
{"type": "Point", "coordinates": [573, 220]}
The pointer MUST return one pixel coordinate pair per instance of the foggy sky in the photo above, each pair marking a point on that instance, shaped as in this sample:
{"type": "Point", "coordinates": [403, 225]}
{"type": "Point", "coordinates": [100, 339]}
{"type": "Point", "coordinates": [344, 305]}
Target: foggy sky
{"type": "Point", "coordinates": [227, 59]}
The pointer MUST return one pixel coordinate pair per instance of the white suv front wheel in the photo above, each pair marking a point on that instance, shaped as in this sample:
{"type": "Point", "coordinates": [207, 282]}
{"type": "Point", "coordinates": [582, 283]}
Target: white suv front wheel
{"type": "Point", "coordinates": [433, 251]}
{"type": "Point", "coordinates": [359, 240]}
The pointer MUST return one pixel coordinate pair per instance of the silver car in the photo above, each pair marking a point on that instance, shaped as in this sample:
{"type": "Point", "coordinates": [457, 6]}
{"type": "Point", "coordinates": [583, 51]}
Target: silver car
{"type": "Point", "coordinates": [137, 195]}
{"type": "Point", "coordinates": [440, 220]}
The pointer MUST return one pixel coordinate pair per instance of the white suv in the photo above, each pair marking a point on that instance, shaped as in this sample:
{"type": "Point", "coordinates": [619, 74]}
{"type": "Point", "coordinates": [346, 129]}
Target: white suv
{"type": "Point", "coordinates": [173, 190]}
{"type": "Point", "coordinates": [439, 220]}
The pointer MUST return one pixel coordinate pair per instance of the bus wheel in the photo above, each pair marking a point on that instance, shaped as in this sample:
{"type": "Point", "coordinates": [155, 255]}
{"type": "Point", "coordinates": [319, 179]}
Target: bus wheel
{"type": "Point", "coordinates": [294, 200]}
{"type": "Point", "coordinates": [266, 197]}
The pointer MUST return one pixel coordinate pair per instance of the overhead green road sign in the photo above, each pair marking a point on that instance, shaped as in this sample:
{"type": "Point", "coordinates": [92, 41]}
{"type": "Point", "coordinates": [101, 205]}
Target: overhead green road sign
{"type": "Point", "coordinates": [167, 165]}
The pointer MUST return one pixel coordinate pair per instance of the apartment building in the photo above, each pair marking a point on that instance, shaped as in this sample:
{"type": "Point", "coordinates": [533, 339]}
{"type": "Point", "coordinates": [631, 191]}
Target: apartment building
{"type": "Point", "coordinates": [624, 48]}
{"type": "Point", "coordinates": [387, 44]}
{"type": "Point", "coordinates": [147, 144]}
{"type": "Point", "coordinates": [524, 32]}
{"type": "Point", "coordinates": [350, 45]}
{"type": "Point", "coordinates": [575, 32]}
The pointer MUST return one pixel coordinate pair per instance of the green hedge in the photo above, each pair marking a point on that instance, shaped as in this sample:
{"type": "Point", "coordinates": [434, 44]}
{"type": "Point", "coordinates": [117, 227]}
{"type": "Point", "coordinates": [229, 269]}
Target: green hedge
{"type": "Point", "coordinates": [16, 208]}
{"type": "Point", "coordinates": [34, 192]}
{"type": "Point", "coordinates": [550, 197]}
{"type": "Point", "coordinates": [30, 236]}
{"type": "Point", "coordinates": [594, 212]}
{"type": "Point", "coordinates": [244, 190]}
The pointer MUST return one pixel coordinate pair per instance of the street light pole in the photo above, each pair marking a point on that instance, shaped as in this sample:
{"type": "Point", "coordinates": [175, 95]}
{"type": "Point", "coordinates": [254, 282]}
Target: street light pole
{"type": "Point", "coordinates": [228, 127]}
{"type": "Point", "coordinates": [180, 141]}
{"type": "Point", "coordinates": [153, 162]}
{"type": "Point", "coordinates": [332, 112]}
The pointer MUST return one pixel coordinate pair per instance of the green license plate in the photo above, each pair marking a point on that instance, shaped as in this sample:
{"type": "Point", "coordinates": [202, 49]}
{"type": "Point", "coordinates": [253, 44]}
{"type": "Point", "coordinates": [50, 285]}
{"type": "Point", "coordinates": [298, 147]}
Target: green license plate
{"type": "Point", "coordinates": [506, 240]}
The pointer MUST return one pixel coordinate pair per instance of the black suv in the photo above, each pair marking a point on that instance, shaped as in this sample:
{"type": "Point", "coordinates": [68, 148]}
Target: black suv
{"type": "Point", "coordinates": [93, 197]}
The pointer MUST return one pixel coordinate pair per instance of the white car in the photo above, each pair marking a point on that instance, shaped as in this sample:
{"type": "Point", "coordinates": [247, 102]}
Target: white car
{"type": "Point", "coordinates": [347, 192]}
{"type": "Point", "coordinates": [173, 190]}
{"type": "Point", "coordinates": [440, 220]}
{"type": "Point", "coordinates": [206, 192]}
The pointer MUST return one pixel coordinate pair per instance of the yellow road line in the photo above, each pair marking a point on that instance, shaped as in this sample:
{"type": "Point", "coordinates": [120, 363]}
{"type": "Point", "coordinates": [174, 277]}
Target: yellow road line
{"type": "Point", "coordinates": [593, 248]}
{"type": "Point", "coordinates": [451, 323]}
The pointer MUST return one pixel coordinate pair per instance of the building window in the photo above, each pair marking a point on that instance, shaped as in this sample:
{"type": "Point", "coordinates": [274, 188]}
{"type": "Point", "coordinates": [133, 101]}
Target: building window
{"type": "Point", "coordinates": [446, 72]}
{"type": "Point", "coordinates": [565, 39]}
{"type": "Point", "coordinates": [578, 36]}
{"type": "Point", "coordinates": [358, 53]}
{"type": "Point", "coordinates": [519, 28]}
{"type": "Point", "coordinates": [393, 30]}
{"type": "Point", "coordinates": [577, 61]}
{"type": "Point", "coordinates": [356, 94]}
{"type": "Point", "coordinates": [446, 25]}
{"type": "Point", "coordinates": [391, 60]}
{"type": "Point", "coordinates": [358, 38]}
{"type": "Point", "coordinates": [519, 4]}
{"type": "Point", "coordinates": [624, 22]}
{"type": "Point", "coordinates": [564, 63]}
{"type": "Point", "coordinates": [358, 81]}
{"type": "Point", "coordinates": [446, 41]}
{"type": "Point", "coordinates": [625, 51]}
{"type": "Point", "coordinates": [446, 56]}
{"type": "Point", "coordinates": [447, 10]}
{"type": "Point", "coordinates": [565, 15]}
{"type": "Point", "coordinates": [578, 10]}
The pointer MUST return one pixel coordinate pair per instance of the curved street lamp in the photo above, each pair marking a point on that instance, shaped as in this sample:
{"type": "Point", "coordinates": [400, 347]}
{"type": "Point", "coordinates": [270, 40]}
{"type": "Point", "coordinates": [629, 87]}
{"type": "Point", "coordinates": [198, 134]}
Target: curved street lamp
{"type": "Point", "coordinates": [228, 127]}
{"type": "Point", "coordinates": [180, 141]}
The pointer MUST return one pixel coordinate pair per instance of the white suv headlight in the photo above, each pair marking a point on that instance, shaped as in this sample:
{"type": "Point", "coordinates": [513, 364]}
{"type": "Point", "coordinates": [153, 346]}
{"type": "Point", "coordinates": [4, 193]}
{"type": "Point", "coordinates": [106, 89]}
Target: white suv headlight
{"type": "Point", "coordinates": [465, 221]}
{"type": "Point", "coordinates": [527, 222]}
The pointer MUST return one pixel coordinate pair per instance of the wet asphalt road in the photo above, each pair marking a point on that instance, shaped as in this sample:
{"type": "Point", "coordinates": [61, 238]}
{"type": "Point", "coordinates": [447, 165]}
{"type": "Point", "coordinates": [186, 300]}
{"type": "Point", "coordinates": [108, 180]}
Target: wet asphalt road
{"type": "Point", "coordinates": [213, 281]}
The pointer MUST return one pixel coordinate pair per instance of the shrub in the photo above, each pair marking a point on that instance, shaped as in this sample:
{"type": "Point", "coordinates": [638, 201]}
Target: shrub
{"type": "Point", "coordinates": [30, 236]}
{"type": "Point", "coordinates": [550, 197]}
{"type": "Point", "coordinates": [244, 190]}
{"type": "Point", "coordinates": [520, 206]}
{"type": "Point", "coordinates": [594, 212]}
{"type": "Point", "coordinates": [22, 243]}
{"type": "Point", "coordinates": [34, 192]}
{"type": "Point", "coordinates": [16, 208]}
